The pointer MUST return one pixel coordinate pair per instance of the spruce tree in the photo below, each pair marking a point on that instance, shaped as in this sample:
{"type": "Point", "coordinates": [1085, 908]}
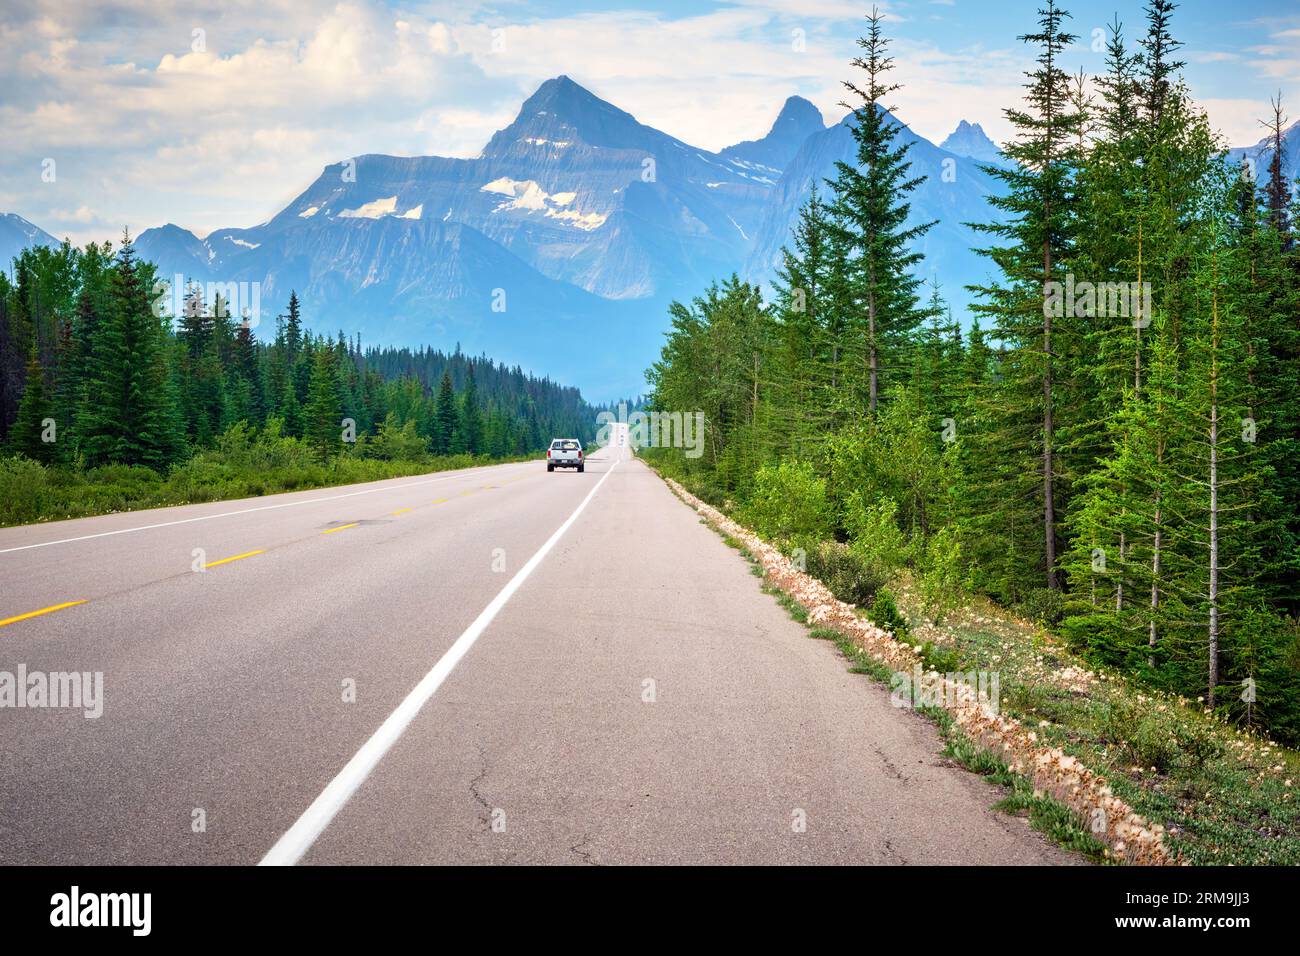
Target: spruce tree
{"type": "Point", "coordinates": [471, 416]}
{"type": "Point", "coordinates": [805, 302]}
{"type": "Point", "coordinates": [322, 416]}
{"type": "Point", "coordinates": [444, 417]}
{"type": "Point", "coordinates": [130, 416]}
{"type": "Point", "coordinates": [870, 211]}
{"type": "Point", "coordinates": [1037, 238]}
{"type": "Point", "coordinates": [27, 435]}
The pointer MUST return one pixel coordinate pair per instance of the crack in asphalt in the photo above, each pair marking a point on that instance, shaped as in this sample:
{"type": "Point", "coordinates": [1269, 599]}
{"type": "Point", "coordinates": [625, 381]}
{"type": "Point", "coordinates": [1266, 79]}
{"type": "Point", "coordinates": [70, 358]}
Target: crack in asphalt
{"type": "Point", "coordinates": [486, 817]}
{"type": "Point", "coordinates": [584, 855]}
{"type": "Point", "coordinates": [889, 766]}
{"type": "Point", "coordinates": [894, 854]}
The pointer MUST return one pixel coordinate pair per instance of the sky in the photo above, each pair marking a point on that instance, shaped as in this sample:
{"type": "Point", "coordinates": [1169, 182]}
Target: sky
{"type": "Point", "coordinates": [215, 113]}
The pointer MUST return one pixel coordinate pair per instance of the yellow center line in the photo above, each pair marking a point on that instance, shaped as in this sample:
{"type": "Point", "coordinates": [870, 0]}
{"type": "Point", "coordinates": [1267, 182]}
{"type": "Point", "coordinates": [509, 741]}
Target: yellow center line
{"type": "Point", "coordinates": [440, 501]}
{"type": "Point", "coordinates": [342, 527]}
{"type": "Point", "coordinates": [399, 511]}
{"type": "Point", "coordinates": [237, 557]}
{"type": "Point", "coordinates": [44, 610]}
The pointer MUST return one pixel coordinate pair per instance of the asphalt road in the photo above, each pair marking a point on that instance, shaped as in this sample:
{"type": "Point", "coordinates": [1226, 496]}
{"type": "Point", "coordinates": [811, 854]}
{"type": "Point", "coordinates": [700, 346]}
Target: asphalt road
{"type": "Point", "coordinates": [496, 665]}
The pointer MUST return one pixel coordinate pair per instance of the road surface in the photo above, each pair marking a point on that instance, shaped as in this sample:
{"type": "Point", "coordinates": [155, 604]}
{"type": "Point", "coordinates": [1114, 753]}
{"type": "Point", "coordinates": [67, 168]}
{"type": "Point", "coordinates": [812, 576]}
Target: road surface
{"type": "Point", "coordinates": [495, 665]}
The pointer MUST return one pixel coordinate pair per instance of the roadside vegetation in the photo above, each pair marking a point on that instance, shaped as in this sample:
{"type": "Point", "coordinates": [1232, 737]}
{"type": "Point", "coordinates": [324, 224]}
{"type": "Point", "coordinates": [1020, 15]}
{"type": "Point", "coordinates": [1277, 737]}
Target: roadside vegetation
{"type": "Point", "coordinates": [110, 403]}
{"type": "Point", "coordinates": [241, 465]}
{"type": "Point", "coordinates": [1099, 503]}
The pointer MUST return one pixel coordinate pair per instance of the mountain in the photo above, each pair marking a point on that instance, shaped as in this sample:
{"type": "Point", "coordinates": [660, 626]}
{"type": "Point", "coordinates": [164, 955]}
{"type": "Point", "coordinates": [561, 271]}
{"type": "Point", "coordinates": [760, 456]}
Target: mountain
{"type": "Point", "coordinates": [560, 245]}
{"type": "Point", "coordinates": [1262, 152]}
{"type": "Point", "coordinates": [970, 140]}
{"type": "Point", "coordinates": [955, 192]}
{"type": "Point", "coordinates": [587, 220]}
{"type": "Point", "coordinates": [17, 234]}
{"type": "Point", "coordinates": [797, 120]}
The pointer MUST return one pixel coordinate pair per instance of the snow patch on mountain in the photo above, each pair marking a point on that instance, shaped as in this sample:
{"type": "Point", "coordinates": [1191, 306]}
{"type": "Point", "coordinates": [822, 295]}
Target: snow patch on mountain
{"type": "Point", "coordinates": [371, 210]}
{"type": "Point", "coordinates": [529, 196]}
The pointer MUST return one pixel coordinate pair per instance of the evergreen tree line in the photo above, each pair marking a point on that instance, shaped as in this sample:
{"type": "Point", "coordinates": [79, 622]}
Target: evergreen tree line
{"type": "Point", "coordinates": [92, 374]}
{"type": "Point", "coordinates": [1125, 470]}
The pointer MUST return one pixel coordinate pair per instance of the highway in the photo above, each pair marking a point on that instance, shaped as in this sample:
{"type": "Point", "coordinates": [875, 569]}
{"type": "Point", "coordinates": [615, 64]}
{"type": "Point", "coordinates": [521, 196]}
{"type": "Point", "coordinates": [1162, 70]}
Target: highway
{"type": "Point", "coordinates": [494, 665]}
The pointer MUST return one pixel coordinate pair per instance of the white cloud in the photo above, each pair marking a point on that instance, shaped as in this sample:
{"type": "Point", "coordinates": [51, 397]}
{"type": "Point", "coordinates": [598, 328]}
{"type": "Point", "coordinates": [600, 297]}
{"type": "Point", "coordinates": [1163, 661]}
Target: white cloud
{"type": "Point", "coordinates": [147, 125]}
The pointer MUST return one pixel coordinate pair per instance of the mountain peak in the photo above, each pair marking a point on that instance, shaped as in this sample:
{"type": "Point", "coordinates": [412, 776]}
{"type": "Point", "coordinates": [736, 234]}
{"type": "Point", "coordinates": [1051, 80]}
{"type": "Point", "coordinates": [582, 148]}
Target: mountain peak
{"type": "Point", "coordinates": [559, 91]}
{"type": "Point", "coordinates": [561, 112]}
{"type": "Point", "coordinates": [970, 140]}
{"type": "Point", "coordinates": [797, 120]}
{"type": "Point", "coordinates": [798, 112]}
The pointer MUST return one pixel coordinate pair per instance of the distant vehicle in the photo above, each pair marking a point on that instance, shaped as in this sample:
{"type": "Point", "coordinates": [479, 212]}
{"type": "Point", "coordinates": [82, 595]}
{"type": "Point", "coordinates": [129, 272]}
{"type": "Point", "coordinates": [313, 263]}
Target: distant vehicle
{"type": "Point", "coordinates": [565, 453]}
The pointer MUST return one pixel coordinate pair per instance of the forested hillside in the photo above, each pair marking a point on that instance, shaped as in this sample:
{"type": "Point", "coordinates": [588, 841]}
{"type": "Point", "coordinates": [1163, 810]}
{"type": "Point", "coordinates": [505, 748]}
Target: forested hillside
{"type": "Point", "coordinates": [1111, 450]}
{"type": "Point", "coordinates": [81, 342]}
{"type": "Point", "coordinates": [97, 375]}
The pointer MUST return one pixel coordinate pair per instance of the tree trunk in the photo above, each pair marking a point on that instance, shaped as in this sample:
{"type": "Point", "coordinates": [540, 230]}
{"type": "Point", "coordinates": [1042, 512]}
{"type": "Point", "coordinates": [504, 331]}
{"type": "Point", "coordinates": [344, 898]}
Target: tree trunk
{"type": "Point", "coordinates": [1214, 496]}
{"type": "Point", "coordinates": [1119, 587]}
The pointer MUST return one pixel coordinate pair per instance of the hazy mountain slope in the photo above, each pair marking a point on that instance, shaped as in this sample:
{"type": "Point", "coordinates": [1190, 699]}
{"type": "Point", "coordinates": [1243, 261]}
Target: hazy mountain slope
{"type": "Point", "coordinates": [797, 120]}
{"type": "Point", "coordinates": [954, 193]}
{"type": "Point", "coordinates": [17, 234]}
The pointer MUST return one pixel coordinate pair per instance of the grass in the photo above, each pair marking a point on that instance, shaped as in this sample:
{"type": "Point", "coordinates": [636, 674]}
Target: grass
{"type": "Point", "coordinates": [241, 467]}
{"type": "Point", "coordinates": [1223, 796]}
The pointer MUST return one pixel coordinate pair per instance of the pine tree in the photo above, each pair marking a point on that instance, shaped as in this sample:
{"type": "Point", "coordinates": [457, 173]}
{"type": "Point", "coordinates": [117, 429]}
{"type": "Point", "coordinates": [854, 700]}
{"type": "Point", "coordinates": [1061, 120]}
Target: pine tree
{"type": "Point", "coordinates": [445, 418]}
{"type": "Point", "coordinates": [870, 210]}
{"type": "Point", "coordinates": [28, 432]}
{"type": "Point", "coordinates": [1277, 189]}
{"type": "Point", "coordinates": [293, 338]}
{"type": "Point", "coordinates": [322, 417]}
{"type": "Point", "coordinates": [471, 416]}
{"type": "Point", "coordinates": [803, 364]}
{"type": "Point", "coordinates": [130, 416]}
{"type": "Point", "coordinates": [1038, 233]}
{"type": "Point", "coordinates": [1158, 47]}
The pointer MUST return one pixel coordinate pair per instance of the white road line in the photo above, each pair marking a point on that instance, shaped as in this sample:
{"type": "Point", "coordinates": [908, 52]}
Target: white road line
{"type": "Point", "coordinates": [299, 838]}
{"type": "Point", "coordinates": [244, 511]}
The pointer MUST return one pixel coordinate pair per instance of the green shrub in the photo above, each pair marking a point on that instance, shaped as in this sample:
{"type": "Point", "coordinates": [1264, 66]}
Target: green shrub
{"type": "Point", "coordinates": [884, 613]}
{"type": "Point", "coordinates": [874, 533]}
{"type": "Point", "coordinates": [397, 442]}
{"type": "Point", "coordinates": [940, 573]}
{"type": "Point", "coordinates": [24, 490]}
{"type": "Point", "coordinates": [1043, 606]}
{"type": "Point", "coordinates": [789, 502]}
{"type": "Point", "coordinates": [850, 578]}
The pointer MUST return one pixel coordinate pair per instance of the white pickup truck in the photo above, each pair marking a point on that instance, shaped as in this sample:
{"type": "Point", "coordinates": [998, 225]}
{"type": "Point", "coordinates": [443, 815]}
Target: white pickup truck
{"type": "Point", "coordinates": [565, 453]}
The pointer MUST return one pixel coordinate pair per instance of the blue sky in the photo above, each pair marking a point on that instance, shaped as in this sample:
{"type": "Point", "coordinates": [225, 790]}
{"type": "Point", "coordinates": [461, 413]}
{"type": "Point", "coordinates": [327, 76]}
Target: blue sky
{"type": "Point", "coordinates": [217, 112]}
